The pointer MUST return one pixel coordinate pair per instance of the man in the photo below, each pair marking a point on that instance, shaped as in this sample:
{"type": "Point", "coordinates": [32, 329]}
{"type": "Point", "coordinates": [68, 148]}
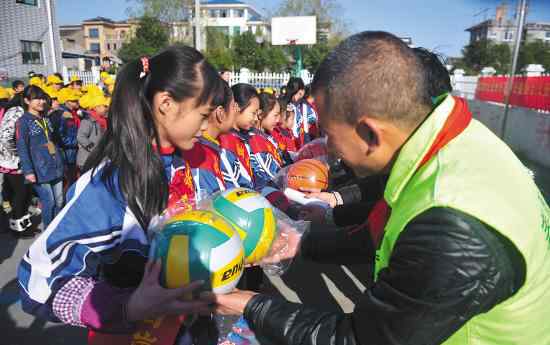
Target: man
{"type": "Point", "coordinates": [463, 256]}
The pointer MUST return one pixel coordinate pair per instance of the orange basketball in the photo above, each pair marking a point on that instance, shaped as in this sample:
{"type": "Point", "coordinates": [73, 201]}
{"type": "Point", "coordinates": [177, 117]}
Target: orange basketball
{"type": "Point", "coordinates": [307, 174]}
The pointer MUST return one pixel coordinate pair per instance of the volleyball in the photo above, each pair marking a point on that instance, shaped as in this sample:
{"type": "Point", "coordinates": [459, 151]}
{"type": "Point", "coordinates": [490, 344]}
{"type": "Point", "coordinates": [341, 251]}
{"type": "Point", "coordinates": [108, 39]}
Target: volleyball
{"type": "Point", "coordinates": [252, 216]}
{"type": "Point", "coordinates": [307, 174]}
{"type": "Point", "coordinates": [199, 245]}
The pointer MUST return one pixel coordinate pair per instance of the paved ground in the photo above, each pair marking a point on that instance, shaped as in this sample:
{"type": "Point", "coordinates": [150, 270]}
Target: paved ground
{"type": "Point", "coordinates": [328, 287]}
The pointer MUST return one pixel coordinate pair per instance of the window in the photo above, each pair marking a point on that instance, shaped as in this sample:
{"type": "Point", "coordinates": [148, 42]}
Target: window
{"type": "Point", "coordinates": [508, 36]}
{"type": "Point", "coordinates": [238, 13]}
{"type": "Point", "coordinates": [223, 13]}
{"type": "Point", "coordinates": [108, 46]}
{"type": "Point", "coordinates": [93, 33]}
{"type": "Point", "coordinates": [547, 34]}
{"type": "Point", "coordinates": [31, 52]}
{"type": "Point", "coordinates": [114, 46]}
{"type": "Point", "coordinates": [236, 30]}
{"type": "Point", "coordinates": [122, 34]}
{"type": "Point", "coordinates": [94, 48]}
{"type": "Point", "coordinates": [27, 2]}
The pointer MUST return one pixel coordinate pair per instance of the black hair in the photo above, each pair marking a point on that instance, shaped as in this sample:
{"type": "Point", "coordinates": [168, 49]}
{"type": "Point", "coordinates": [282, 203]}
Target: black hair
{"type": "Point", "coordinates": [373, 73]}
{"type": "Point", "coordinates": [17, 83]}
{"type": "Point", "coordinates": [243, 93]}
{"type": "Point", "coordinates": [283, 104]}
{"type": "Point", "coordinates": [307, 91]}
{"type": "Point", "coordinates": [223, 70]}
{"type": "Point", "coordinates": [438, 79]}
{"type": "Point", "coordinates": [267, 103]}
{"type": "Point", "coordinates": [16, 101]}
{"type": "Point", "coordinates": [127, 145]}
{"type": "Point", "coordinates": [33, 92]}
{"type": "Point", "coordinates": [57, 74]}
{"type": "Point", "coordinates": [293, 86]}
{"type": "Point", "coordinates": [223, 99]}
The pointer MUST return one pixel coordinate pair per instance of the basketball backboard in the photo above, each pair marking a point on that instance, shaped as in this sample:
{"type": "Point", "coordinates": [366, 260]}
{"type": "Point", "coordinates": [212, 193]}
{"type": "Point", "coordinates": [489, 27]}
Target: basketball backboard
{"type": "Point", "coordinates": [294, 30]}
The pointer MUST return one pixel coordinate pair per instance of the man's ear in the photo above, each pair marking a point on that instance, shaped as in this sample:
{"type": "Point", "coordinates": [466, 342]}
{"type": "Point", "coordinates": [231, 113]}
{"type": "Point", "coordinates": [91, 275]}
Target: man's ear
{"type": "Point", "coordinates": [369, 130]}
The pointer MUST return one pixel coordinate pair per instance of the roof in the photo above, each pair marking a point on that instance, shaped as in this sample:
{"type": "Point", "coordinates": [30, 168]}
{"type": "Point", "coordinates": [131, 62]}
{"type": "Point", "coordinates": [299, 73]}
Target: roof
{"type": "Point", "coordinates": [100, 19]}
{"type": "Point", "coordinates": [222, 2]}
{"type": "Point", "coordinates": [255, 18]}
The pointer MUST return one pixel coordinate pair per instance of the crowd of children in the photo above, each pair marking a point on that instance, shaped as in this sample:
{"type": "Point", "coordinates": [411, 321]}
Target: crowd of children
{"type": "Point", "coordinates": [47, 130]}
{"type": "Point", "coordinates": [176, 131]}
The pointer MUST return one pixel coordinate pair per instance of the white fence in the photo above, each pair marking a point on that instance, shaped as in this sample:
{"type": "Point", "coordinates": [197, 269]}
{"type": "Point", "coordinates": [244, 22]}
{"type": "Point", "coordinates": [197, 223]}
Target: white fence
{"type": "Point", "coordinates": [263, 80]}
{"type": "Point", "coordinates": [87, 77]}
{"type": "Point", "coordinates": [464, 86]}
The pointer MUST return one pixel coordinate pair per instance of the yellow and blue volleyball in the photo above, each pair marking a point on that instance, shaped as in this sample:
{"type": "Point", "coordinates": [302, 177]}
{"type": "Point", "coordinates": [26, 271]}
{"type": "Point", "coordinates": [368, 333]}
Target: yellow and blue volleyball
{"type": "Point", "coordinates": [252, 216]}
{"type": "Point", "coordinates": [199, 245]}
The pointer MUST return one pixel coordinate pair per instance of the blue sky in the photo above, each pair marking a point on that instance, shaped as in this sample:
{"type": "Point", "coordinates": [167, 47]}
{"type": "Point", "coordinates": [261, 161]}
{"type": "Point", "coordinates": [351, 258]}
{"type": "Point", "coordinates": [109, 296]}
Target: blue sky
{"type": "Point", "coordinates": [438, 24]}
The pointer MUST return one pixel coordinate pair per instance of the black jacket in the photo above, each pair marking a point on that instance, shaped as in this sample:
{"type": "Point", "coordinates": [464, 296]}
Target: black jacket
{"type": "Point", "coordinates": [446, 267]}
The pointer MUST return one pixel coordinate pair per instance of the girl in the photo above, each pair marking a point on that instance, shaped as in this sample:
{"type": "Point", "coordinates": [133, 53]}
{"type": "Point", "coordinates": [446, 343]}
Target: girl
{"type": "Point", "coordinates": [305, 116]}
{"type": "Point", "coordinates": [40, 157]}
{"type": "Point", "coordinates": [91, 128]}
{"type": "Point", "coordinates": [20, 192]}
{"type": "Point", "coordinates": [233, 144]}
{"type": "Point", "coordinates": [283, 132]}
{"type": "Point", "coordinates": [210, 171]}
{"type": "Point", "coordinates": [89, 268]}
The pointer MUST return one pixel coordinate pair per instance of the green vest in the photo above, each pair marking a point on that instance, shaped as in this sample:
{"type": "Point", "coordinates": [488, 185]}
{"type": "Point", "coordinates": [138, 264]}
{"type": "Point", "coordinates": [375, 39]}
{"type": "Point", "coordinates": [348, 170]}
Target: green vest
{"type": "Point", "coordinates": [476, 173]}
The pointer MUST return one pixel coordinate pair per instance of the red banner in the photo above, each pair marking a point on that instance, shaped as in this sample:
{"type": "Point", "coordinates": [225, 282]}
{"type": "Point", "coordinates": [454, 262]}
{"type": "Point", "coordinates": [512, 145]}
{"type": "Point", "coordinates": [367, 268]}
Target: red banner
{"type": "Point", "coordinates": [528, 92]}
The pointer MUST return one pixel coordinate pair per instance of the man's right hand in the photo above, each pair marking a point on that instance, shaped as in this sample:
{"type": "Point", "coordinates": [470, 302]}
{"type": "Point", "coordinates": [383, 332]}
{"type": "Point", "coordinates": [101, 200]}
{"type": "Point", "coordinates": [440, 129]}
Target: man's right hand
{"type": "Point", "coordinates": [31, 178]}
{"type": "Point", "coordinates": [150, 300]}
{"type": "Point", "coordinates": [329, 198]}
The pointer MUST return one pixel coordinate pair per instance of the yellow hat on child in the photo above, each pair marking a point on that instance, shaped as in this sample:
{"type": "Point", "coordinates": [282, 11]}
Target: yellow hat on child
{"type": "Point", "coordinates": [4, 94]}
{"type": "Point", "coordinates": [53, 79]}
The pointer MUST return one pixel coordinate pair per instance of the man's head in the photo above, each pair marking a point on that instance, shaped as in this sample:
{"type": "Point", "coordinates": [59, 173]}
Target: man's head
{"type": "Point", "coordinates": [438, 80]}
{"type": "Point", "coordinates": [370, 91]}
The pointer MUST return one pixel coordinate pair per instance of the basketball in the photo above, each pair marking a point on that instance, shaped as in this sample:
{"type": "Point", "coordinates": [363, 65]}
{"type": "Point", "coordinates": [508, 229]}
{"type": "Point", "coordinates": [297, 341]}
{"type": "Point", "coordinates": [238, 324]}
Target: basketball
{"type": "Point", "coordinates": [252, 216]}
{"type": "Point", "coordinates": [199, 245]}
{"type": "Point", "coordinates": [307, 174]}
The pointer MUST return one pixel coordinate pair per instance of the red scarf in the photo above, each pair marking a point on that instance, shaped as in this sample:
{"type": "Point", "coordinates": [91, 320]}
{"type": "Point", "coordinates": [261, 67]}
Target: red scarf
{"type": "Point", "coordinates": [455, 124]}
{"type": "Point", "coordinates": [99, 119]}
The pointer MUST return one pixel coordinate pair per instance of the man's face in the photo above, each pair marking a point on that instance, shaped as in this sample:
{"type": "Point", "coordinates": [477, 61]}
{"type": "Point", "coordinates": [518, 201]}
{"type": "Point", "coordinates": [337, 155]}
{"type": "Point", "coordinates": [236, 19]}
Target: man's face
{"type": "Point", "coordinates": [363, 149]}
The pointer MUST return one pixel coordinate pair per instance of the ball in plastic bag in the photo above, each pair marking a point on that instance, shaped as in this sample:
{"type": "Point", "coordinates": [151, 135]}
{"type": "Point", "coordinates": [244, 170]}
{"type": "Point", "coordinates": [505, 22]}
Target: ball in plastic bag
{"type": "Point", "coordinates": [200, 245]}
{"type": "Point", "coordinates": [252, 216]}
{"type": "Point", "coordinates": [307, 174]}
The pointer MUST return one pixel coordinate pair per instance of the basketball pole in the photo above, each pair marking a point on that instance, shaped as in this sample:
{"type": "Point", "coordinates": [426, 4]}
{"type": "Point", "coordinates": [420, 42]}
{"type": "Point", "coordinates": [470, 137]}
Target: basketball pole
{"type": "Point", "coordinates": [298, 66]}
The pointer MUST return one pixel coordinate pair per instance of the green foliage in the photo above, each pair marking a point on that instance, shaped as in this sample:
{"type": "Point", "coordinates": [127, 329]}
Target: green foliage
{"type": "Point", "coordinates": [151, 36]}
{"type": "Point", "coordinates": [536, 52]}
{"type": "Point", "coordinates": [217, 50]}
{"type": "Point", "coordinates": [484, 53]}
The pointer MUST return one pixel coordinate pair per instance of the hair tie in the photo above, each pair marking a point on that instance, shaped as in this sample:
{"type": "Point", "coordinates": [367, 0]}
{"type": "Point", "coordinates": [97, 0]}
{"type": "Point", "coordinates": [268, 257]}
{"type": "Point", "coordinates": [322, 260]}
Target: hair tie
{"type": "Point", "coordinates": [145, 67]}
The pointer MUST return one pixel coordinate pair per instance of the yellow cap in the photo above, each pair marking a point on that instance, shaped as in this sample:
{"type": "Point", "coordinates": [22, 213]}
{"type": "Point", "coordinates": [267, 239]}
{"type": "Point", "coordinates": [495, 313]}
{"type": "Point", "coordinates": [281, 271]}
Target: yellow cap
{"type": "Point", "coordinates": [109, 81]}
{"type": "Point", "coordinates": [36, 81]}
{"type": "Point", "coordinates": [90, 101]}
{"type": "Point", "coordinates": [53, 79]}
{"type": "Point", "coordinates": [67, 94]}
{"type": "Point", "coordinates": [104, 75]}
{"type": "Point", "coordinates": [92, 89]}
{"type": "Point", "coordinates": [75, 78]}
{"type": "Point", "coordinates": [268, 90]}
{"type": "Point", "coordinates": [53, 93]}
{"type": "Point", "coordinates": [11, 92]}
{"type": "Point", "coordinates": [4, 94]}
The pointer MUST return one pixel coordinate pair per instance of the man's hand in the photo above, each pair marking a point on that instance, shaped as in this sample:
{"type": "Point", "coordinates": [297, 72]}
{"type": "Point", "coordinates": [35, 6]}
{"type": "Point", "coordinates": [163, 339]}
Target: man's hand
{"type": "Point", "coordinates": [285, 246]}
{"type": "Point", "coordinates": [31, 178]}
{"type": "Point", "coordinates": [151, 300]}
{"type": "Point", "coordinates": [329, 198]}
{"type": "Point", "coordinates": [232, 303]}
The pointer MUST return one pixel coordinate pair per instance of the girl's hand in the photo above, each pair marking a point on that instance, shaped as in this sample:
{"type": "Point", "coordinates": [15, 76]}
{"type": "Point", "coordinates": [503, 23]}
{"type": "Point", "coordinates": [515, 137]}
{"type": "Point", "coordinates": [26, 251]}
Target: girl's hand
{"type": "Point", "coordinates": [150, 300]}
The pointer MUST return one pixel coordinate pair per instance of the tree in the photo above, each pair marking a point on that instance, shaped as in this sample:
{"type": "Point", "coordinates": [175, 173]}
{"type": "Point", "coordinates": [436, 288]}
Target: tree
{"type": "Point", "coordinates": [484, 53]}
{"type": "Point", "coordinates": [217, 49]}
{"type": "Point", "coordinates": [535, 52]}
{"type": "Point", "coordinates": [151, 36]}
{"type": "Point", "coordinates": [167, 11]}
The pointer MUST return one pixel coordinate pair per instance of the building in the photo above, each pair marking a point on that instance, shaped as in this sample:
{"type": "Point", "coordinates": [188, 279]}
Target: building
{"type": "Point", "coordinates": [95, 40]}
{"type": "Point", "coordinates": [29, 37]}
{"type": "Point", "coordinates": [502, 29]}
{"type": "Point", "coordinates": [232, 17]}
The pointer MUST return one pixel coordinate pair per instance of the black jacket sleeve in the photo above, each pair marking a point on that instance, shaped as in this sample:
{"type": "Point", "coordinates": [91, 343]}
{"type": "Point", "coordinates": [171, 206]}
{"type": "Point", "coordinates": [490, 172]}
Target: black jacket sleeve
{"type": "Point", "coordinates": [446, 267]}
